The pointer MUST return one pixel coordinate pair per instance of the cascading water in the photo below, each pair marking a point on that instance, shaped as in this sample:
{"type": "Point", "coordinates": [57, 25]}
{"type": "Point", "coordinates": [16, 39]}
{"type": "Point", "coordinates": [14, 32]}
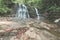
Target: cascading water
{"type": "Point", "coordinates": [22, 12]}
{"type": "Point", "coordinates": [38, 17]}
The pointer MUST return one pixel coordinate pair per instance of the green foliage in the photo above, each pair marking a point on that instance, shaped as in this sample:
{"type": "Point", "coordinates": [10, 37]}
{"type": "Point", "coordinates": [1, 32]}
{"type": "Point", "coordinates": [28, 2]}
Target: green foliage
{"type": "Point", "coordinates": [18, 1]}
{"type": "Point", "coordinates": [32, 3]}
{"type": "Point", "coordinates": [41, 4]}
{"type": "Point", "coordinates": [4, 6]}
{"type": "Point", "coordinates": [35, 3]}
{"type": "Point", "coordinates": [44, 5]}
{"type": "Point", "coordinates": [54, 9]}
{"type": "Point", "coordinates": [51, 5]}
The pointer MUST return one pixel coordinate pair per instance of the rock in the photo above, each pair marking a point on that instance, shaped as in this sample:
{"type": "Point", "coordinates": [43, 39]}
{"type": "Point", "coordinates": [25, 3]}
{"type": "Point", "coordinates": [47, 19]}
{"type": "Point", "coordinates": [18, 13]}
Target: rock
{"type": "Point", "coordinates": [33, 33]}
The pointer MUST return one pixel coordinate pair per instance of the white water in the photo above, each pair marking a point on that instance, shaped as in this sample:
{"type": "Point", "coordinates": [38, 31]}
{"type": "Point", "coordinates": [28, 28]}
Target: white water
{"type": "Point", "coordinates": [38, 17]}
{"type": "Point", "coordinates": [22, 12]}
{"type": "Point", "coordinates": [57, 20]}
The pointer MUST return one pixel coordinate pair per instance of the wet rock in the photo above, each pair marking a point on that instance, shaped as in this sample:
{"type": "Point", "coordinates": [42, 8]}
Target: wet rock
{"type": "Point", "coordinates": [33, 33]}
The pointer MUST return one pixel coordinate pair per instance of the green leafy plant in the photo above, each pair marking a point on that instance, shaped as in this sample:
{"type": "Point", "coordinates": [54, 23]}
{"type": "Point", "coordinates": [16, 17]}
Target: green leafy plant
{"type": "Point", "coordinates": [4, 6]}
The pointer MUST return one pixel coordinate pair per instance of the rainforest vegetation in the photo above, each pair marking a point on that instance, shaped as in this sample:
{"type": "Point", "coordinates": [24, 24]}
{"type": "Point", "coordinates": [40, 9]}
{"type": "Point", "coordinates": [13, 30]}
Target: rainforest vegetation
{"type": "Point", "coordinates": [49, 7]}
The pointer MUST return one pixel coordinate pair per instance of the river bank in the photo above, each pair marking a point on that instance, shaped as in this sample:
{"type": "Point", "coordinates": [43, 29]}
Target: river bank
{"type": "Point", "coordinates": [31, 34]}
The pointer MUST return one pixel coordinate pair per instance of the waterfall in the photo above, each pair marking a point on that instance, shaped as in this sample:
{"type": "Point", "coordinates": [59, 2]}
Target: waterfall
{"type": "Point", "coordinates": [22, 12]}
{"type": "Point", "coordinates": [38, 17]}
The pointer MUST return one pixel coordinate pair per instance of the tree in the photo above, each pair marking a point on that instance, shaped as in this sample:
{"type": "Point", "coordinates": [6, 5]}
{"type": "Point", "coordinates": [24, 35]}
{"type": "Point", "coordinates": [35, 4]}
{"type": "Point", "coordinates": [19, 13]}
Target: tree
{"type": "Point", "coordinates": [5, 6]}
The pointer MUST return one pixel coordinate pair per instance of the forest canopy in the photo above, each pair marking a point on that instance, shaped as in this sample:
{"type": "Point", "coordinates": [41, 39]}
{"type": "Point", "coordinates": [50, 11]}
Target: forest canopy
{"type": "Point", "coordinates": [44, 5]}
